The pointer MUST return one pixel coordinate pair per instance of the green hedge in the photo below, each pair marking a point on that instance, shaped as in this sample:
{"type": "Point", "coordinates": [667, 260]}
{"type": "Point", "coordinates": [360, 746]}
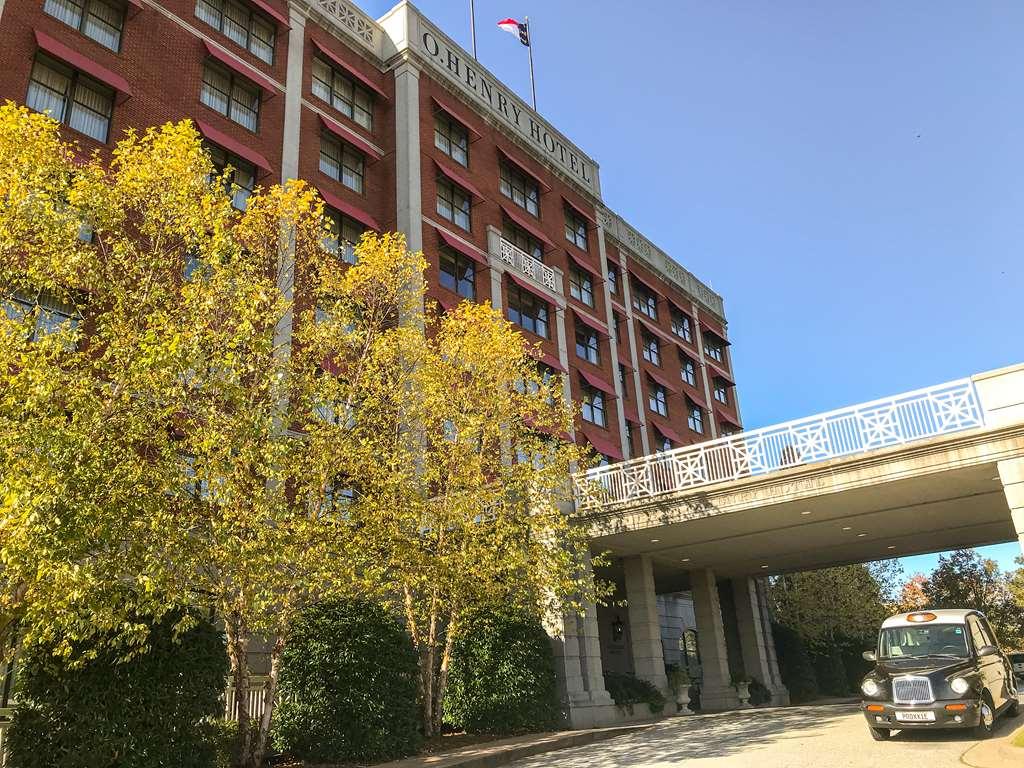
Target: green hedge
{"type": "Point", "coordinates": [348, 686]}
{"type": "Point", "coordinates": [627, 690]}
{"type": "Point", "coordinates": [502, 676]}
{"type": "Point", "coordinates": [151, 712]}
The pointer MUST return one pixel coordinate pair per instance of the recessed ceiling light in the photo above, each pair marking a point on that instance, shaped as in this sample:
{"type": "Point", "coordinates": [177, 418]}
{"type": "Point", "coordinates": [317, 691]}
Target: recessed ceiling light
{"type": "Point", "coordinates": [764, 566]}
{"type": "Point", "coordinates": [686, 560]}
{"type": "Point", "coordinates": [806, 512]}
{"type": "Point", "coordinates": [847, 528]}
{"type": "Point", "coordinates": [891, 546]}
{"type": "Point", "coordinates": [655, 541]}
{"type": "Point", "coordinates": [997, 477]}
{"type": "Point", "coordinates": [861, 535]}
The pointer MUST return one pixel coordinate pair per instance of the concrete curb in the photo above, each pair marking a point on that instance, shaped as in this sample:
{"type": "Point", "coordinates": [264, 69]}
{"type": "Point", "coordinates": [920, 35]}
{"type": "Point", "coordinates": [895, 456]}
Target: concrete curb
{"type": "Point", "coordinates": [490, 755]}
{"type": "Point", "coordinates": [997, 753]}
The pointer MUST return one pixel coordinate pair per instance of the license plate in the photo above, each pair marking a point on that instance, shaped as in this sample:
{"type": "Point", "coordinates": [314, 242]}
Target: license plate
{"type": "Point", "coordinates": [915, 717]}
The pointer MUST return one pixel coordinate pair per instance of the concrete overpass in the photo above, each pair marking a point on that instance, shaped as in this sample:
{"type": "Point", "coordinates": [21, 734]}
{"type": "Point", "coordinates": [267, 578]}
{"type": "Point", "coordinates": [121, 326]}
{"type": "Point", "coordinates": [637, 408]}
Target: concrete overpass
{"type": "Point", "coordinates": [925, 471]}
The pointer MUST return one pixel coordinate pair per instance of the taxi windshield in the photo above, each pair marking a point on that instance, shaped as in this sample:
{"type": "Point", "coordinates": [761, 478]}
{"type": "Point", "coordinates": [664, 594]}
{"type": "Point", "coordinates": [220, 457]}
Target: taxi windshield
{"type": "Point", "coordinates": [921, 641]}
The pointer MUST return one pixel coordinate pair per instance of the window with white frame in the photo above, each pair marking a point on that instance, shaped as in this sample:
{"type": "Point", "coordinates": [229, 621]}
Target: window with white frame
{"type": "Point", "coordinates": [51, 314]}
{"type": "Point", "coordinates": [97, 19]}
{"type": "Point", "coordinates": [657, 398]}
{"type": "Point", "coordinates": [241, 25]}
{"type": "Point", "coordinates": [593, 405]}
{"type": "Point", "coordinates": [70, 97]}
{"type": "Point", "coordinates": [241, 181]}
{"type": "Point", "coordinates": [230, 94]}
{"type": "Point", "coordinates": [721, 391]}
{"type": "Point", "coordinates": [661, 443]}
{"type": "Point", "coordinates": [520, 189]}
{"type": "Point", "coordinates": [644, 301]}
{"type": "Point", "coordinates": [343, 232]}
{"type": "Point", "coordinates": [527, 311]}
{"type": "Point", "coordinates": [453, 203]}
{"type": "Point", "coordinates": [613, 278]}
{"type": "Point", "coordinates": [681, 325]}
{"type": "Point", "coordinates": [587, 344]}
{"type": "Point", "coordinates": [522, 240]}
{"type": "Point", "coordinates": [342, 162]}
{"type": "Point", "coordinates": [457, 273]}
{"type": "Point", "coordinates": [687, 369]}
{"type": "Point", "coordinates": [617, 326]}
{"type": "Point", "coordinates": [342, 93]}
{"type": "Point", "coordinates": [452, 138]}
{"type": "Point", "coordinates": [651, 350]}
{"type": "Point", "coordinates": [581, 285]}
{"type": "Point", "coordinates": [695, 418]}
{"type": "Point", "coordinates": [713, 347]}
{"type": "Point", "coordinates": [623, 379]}
{"type": "Point", "coordinates": [575, 229]}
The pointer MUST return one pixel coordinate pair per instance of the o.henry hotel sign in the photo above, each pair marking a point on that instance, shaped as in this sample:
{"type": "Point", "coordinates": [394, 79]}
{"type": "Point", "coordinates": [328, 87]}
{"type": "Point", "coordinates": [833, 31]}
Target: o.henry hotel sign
{"type": "Point", "coordinates": [459, 68]}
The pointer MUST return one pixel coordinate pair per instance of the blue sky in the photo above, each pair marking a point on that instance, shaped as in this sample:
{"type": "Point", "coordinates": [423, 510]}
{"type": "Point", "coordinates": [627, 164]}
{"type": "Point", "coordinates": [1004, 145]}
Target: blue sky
{"type": "Point", "coordinates": [849, 176]}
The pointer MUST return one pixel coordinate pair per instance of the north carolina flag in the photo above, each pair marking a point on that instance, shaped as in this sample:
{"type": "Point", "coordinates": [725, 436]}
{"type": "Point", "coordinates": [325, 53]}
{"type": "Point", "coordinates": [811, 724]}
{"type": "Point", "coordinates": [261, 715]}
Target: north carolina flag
{"type": "Point", "coordinates": [513, 27]}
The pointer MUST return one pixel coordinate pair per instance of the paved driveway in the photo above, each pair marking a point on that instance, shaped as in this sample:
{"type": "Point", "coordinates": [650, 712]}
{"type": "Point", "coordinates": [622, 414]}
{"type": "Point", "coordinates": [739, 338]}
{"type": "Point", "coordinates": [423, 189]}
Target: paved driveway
{"type": "Point", "coordinates": [797, 737]}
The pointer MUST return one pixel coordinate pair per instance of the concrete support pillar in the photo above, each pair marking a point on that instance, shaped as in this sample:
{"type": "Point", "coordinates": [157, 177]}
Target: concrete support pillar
{"type": "Point", "coordinates": [716, 692]}
{"type": "Point", "coordinates": [1011, 473]}
{"type": "Point", "coordinates": [407, 154]}
{"type": "Point", "coordinates": [756, 642]}
{"type": "Point", "coordinates": [644, 624]}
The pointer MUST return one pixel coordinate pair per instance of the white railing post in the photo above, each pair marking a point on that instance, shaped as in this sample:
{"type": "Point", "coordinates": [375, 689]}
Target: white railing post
{"type": "Point", "coordinates": [938, 410]}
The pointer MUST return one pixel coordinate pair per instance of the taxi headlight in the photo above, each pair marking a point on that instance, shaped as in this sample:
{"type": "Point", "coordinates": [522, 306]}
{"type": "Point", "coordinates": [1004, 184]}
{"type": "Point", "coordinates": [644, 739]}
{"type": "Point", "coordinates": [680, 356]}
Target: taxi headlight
{"type": "Point", "coordinates": [870, 687]}
{"type": "Point", "coordinates": [959, 686]}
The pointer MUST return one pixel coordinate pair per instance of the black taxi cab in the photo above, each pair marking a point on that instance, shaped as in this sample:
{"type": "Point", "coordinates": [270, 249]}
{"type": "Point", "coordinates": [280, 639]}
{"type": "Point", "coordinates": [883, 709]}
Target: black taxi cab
{"type": "Point", "coordinates": [937, 669]}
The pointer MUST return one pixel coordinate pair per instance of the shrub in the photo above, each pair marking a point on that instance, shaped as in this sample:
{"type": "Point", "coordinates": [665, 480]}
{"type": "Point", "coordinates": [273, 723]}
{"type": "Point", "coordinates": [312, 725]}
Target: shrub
{"type": "Point", "coordinates": [149, 712]}
{"type": "Point", "coordinates": [348, 686]}
{"type": "Point", "coordinates": [627, 690]}
{"type": "Point", "coordinates": [759, 693]}
{"type": "Point", "coordinates": [502, 676]}
{"type": "Point", "coordinates": [795, 664]}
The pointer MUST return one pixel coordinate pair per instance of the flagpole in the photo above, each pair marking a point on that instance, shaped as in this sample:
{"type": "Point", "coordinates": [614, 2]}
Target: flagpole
{"type": "Point", "coordinates": [472, 26]}
{"type": "Point", "coordinates": [529, 47]}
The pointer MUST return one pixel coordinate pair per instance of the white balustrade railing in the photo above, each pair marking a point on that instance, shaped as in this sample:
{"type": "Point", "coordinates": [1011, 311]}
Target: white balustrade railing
{"type": "Point", "coordinates": [892, 421]}
{"type": "Point", "coordinates": [529, 266]}
{"type": "Point", "coordinates": [5, 724]}
{"type": "Point", "coordinates": [257, 686]}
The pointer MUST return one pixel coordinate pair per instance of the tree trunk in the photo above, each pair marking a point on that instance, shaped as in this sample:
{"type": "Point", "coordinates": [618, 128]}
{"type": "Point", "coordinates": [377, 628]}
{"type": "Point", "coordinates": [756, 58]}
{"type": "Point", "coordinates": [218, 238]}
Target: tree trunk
{"type": "Point", "coordinates": [442, 676]}
{"type": "Point", "coordinates": [428, 661]}
{"type": "Point", "coordinates": [238, 652]}
{"type": "Point", "coordinates": [269, 699]}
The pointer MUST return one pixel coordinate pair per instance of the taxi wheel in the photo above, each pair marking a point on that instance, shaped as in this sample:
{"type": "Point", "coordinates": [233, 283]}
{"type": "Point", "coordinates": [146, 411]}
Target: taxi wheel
{"type": "Point", "coordinates": [987, 718]}
{"type": "Point", "coordinates": [1014, 709]}
{"type": "Point", "coordinates": [880, 734]}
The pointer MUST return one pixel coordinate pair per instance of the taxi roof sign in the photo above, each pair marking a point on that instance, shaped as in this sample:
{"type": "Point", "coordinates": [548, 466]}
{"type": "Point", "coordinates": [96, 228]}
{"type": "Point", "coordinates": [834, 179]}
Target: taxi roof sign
{"type": "Point", "coordinates": [921, 617]}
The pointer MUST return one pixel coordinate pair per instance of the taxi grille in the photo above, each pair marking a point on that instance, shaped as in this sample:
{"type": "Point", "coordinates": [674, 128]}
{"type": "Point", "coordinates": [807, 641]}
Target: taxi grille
{"type": "Point", "coordinates": [912, 690]}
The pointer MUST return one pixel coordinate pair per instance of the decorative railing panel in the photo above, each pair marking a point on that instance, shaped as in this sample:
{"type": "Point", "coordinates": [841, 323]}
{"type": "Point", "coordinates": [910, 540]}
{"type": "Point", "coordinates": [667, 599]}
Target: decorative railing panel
{"type": "Point", "coordinates": [893, 421]}
{"type": "Point", "coordinates": [529, 266]}
{"type": "Point", "coordinates": [352, 20]}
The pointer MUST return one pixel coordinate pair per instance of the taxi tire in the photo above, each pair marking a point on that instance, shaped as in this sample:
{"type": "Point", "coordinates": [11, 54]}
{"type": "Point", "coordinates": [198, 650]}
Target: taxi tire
{"type": "Point", "coordinates": [983, 730]}
{"type": "Point", "coordinates": [880, 734]}
{"type": "Point", "coordinates": [1014, 709]}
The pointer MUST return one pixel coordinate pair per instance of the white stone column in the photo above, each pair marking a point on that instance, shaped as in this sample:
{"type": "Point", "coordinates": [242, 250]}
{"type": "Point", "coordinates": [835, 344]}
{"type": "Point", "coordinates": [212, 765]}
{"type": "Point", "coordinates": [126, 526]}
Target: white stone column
{"type": "Point", "coordinates": [293, 96]}
{"type": "Point", "coordinates": [754, 639]}
{"type": "Point", "coordinates": [644, 624]}
{"type": "Point", "coordinates": [780, 693]}
{"type": "Point", "coordinates": [1011, 473]}
{"type": "Point", "coordinates": [716, 691]}
{"type": "Point", "coordinates": [407, 154]}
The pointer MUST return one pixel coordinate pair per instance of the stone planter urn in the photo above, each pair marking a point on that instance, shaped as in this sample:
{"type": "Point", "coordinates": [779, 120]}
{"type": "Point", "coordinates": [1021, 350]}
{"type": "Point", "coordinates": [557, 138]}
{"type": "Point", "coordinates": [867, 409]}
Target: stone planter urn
{"type": "Point", "coordinates": [683, 700]}
{"type": "Point", "coordinates": [743, 691]}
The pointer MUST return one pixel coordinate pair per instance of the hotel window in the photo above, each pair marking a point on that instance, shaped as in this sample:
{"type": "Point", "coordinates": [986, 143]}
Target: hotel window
{"type": "Point", "coordinates": [453, 203]}
{"type": "Point", "coordinates": [593, 405]}
{"type": "Point", "coordinates": [241, 25]}
{"type": "Point", "coordinates": [623, 378]}
{"type": "Point", "coordinates": [726, 431]}
{"type": "Point", "coordinates": [342, 163]}
{"type": "Point", "coordinates": [527, 311]}
{"type": "Point", "coordinates": [343, 234]}
{"type": "Point", "coordinates": [457, 273]}
{"type": "Point", "coordinates": [629, 439]}
{"type": "Point", "coordinates": [695, 419]}
{"type": "Point", "coordinates": [452, 138]}
{"type": "Point", "coordinates": [721, 392]}
{"type": "Point", "coordinates": [520, 189]}
{"type": "Point", "coordinates": [712, 348]}
{"type": "Point", "coordinates": [96, 19]}
{"type": "Point", "coordinates": [657, 398]}
{"type": "Point", "coordinates": [575, 229]}
{"type": "Point", "coordinates": [681, 325]}
{"type": "Point", "coordinates": [522, 240]}
{"type": "Point", "coordinates": [613, 278]}
{"type": "Point", "coordinates": [687, 370]}
{"type": "Point", "coordinates": [617, 326]}
{"type": "Point", "coordinates": [231, 95]}
{"type": "Point", "coordinates": [587, 344]}
{"type": "Point", "coordinates": [241, 180]}
{"type": "Point", "coordinates": [53, 315]}
{"type": "Point", "coordinates": [661, 443]}
{"type": "Point", "coordinates": [651, 349]}
{"type": "Point", "coordinates": [70, 98]}
{"type": "Point", "coordinates": [644, 301]}
{"type": "Point", "coordinates": [343, 94]}
{"type": "Point", "coordinates": [581, 285]}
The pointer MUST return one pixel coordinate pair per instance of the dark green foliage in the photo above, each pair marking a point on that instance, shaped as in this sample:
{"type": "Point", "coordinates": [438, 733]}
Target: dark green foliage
{"type": "Point", "coordinates": [795, 664]}
{"type": "Point", "coordinates": [759, 693]}
{"type": "Point", "coordinates": [150, 712]}
{"type": "Point", "coordinates": [223, 734]}
{"type": "Point", "coordinates": [627, 690]}
{"type": "Point", "coordinates": [348, 686]}
{"type": "Point", "coordinates": [830, 672]}
{"type": "Point", "coordinates": [502, 677]}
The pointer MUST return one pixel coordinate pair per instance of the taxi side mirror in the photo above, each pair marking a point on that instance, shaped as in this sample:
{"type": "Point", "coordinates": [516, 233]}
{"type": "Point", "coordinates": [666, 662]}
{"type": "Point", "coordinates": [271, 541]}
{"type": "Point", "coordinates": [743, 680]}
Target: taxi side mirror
{"type": "Point", "coordinates": [869, 656]}
{"type": "Point", "coordinates": [987, 650]}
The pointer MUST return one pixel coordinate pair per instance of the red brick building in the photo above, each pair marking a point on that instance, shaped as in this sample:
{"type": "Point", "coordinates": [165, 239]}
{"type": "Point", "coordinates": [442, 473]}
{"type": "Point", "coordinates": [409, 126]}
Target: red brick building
{"type": "Point", "coordinates": [400, 129]}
